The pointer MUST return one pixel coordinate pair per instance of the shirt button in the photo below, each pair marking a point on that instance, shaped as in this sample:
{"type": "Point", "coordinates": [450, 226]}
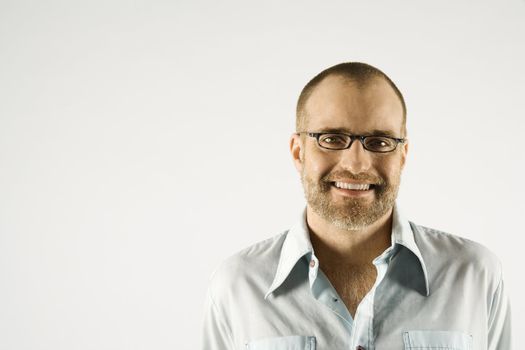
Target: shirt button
{"type": "Point", "coordinates": [312, 263]}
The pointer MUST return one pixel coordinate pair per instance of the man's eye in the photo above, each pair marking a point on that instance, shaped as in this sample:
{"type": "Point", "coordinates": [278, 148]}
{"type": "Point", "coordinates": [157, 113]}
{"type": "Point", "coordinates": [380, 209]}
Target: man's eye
{"type": "Point", "coordinates": [377, 143]}
{"type": "Point", "coordinates": [380, 143]}
{"type": "Point", "coordinates": [332, 139]}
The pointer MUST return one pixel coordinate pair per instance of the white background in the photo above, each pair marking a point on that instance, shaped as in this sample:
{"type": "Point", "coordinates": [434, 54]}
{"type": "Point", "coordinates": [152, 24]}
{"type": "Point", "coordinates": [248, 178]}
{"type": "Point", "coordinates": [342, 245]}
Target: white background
{"type": "Point", "coordinates": [142, 142]}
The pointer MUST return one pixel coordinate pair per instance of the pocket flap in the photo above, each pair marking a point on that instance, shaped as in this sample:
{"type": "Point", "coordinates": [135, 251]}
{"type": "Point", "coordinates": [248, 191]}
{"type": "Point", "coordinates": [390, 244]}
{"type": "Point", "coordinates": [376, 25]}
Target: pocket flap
{"type": "Point", "coordinates": [292, 342]}
{"type": "Point", "coordinates": [449, 340]}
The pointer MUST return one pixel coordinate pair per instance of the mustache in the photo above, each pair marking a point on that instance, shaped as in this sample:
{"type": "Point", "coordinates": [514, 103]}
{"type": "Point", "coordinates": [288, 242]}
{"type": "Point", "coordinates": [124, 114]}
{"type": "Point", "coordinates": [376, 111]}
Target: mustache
{"type": "Point", "coordinates": [346, 175]}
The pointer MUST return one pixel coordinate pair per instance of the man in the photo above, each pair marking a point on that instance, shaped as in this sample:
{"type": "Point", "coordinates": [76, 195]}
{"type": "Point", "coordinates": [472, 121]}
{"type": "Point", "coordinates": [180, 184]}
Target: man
{"type": "Point", "coordinates": [354, 273]}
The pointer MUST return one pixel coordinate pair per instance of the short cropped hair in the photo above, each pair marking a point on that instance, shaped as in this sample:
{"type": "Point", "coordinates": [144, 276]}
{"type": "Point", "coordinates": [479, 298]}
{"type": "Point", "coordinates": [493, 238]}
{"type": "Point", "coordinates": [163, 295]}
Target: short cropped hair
{"type": "Point", "coordinates": [358, 72]}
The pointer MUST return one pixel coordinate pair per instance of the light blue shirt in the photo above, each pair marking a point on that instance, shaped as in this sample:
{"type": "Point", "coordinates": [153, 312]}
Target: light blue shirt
{"type": "Point", "coordinates": [433, 291]}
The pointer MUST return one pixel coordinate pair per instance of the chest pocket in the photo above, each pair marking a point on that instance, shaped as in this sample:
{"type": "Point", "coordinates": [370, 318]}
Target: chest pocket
{"type": "Point", "coordinates": [292, 342]}
{"type": "Point", "coordinates": [438, 340]}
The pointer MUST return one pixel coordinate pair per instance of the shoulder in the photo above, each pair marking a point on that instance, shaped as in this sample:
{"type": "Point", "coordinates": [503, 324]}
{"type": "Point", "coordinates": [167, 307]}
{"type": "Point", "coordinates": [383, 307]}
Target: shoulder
{"type": "Point", "coordinates": [253, 266]}
{"type": "Point", "coordinates": [446, 250]}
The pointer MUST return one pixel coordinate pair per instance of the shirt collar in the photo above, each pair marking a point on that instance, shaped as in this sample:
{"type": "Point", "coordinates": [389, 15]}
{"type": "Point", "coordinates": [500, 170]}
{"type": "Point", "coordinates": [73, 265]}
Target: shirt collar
{"type": "Point", "coordinates": [403, 234]}
{"type": "Point", "coordinates": [297, 244]}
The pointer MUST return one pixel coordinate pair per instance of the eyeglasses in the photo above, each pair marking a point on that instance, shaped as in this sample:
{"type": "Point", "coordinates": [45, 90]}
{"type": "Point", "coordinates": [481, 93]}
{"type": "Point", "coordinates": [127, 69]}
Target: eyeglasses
{"type": "Point", "coordinates": [340, 141]}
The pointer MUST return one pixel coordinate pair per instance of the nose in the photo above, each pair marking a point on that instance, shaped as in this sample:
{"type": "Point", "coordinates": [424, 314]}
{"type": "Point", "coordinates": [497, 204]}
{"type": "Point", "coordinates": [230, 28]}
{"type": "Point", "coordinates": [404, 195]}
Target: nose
{"type": "Point", "coordinates": [356, 159]}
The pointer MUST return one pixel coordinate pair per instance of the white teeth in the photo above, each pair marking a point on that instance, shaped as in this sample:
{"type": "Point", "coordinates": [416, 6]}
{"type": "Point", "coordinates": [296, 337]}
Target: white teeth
{"type": "Point", "coordinates": [349, 186]}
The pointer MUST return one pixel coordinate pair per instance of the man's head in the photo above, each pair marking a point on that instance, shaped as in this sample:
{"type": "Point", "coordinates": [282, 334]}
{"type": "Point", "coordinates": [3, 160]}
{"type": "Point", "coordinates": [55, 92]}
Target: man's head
{"type": "Point", "coordinates": [355, 99]}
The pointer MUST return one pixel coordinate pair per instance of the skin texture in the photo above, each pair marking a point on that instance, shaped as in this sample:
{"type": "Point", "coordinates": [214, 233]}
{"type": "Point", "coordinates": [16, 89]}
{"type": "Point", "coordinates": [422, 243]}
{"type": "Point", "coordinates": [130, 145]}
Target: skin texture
{"type": "Point", "coordinates": [348, 232]}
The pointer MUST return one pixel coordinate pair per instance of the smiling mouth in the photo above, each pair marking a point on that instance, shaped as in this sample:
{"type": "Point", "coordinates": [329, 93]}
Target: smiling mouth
{"type": "Point", "coordinates": [353, 186]}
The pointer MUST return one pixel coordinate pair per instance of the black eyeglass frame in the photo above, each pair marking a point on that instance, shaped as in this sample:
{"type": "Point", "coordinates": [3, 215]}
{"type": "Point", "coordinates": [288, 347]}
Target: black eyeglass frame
{"type": "Point", "coordinates": [361, 139]}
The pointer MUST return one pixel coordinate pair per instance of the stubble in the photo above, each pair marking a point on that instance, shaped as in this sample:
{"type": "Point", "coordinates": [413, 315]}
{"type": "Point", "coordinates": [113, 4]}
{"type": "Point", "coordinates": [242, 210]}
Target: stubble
{"type": "Point", "coordinates": [350, 213]}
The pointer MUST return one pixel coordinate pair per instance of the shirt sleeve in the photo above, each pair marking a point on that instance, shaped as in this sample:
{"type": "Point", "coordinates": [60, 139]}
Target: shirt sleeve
{"type": "Point", "coordinates": [216, 333]}
{"type": "Point", "coordinates": [499, 329]}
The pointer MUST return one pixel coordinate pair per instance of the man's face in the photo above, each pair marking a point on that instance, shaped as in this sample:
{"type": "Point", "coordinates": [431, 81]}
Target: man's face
{"type": "Point", "coordinates": [339, 105]}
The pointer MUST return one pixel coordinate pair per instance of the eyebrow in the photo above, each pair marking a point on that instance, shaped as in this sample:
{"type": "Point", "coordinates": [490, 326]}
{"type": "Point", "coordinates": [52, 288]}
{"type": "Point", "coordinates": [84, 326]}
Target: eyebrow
{"type": "Point", "coordinates": [375, 132]}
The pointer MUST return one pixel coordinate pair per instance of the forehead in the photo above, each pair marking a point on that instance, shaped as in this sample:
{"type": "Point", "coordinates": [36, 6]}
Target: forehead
{"type": "Point", "coordinates": [341, 104]}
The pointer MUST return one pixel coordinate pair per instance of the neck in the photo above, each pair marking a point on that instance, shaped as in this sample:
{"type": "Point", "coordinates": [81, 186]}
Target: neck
{"type": "Point", "coordinates": [335, 246]}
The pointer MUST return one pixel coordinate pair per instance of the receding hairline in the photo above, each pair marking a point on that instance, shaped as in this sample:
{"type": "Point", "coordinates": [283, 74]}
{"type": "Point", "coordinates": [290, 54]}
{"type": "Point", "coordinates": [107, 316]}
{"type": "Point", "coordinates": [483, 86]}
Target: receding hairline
{"type": "Point", "coordinates": [359, 73]}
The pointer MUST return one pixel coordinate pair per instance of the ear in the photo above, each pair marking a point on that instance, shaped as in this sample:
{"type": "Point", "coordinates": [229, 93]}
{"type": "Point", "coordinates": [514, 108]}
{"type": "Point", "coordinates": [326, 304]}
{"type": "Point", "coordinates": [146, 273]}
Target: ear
{"type": "Point", "coordinates": [404, 152]}
{"type": "Point", "coordinates": [296, 149]}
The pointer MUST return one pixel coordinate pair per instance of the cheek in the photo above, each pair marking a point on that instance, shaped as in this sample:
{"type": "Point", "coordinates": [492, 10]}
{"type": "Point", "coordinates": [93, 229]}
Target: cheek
{"type": "Point", "coordinates": [391, 169]}
{"type": "Point", "coordinates": [318, 164]}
